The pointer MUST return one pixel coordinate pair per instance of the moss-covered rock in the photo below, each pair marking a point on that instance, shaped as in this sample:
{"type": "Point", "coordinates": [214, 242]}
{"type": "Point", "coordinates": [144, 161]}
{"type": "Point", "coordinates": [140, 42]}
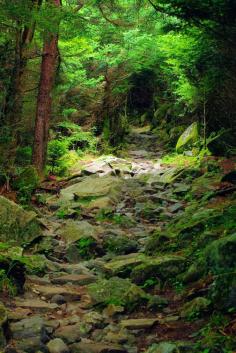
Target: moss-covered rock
{"type": "Point", "coordinates": [164, 347]}
{"type": "Point", "coordinates": [10, 255]}
{"type": "Point", "coordinates": [72, 231]}
{"type": "Point", "coordinates": [122, 265]}
{"type": "Point", "coordinates": [83, 249]}
{"type": "Point", "coordinates": [28, 178]}
{"type": "Point", "coordinates": [195, 308]}
{"type": "Point", "coordinates": [120, 245]}
{"type": "Point", "coordinates": [117, 291]}
{"type": "Point", "coordinates": [174, 133]}
{"type": "Point", "coordinates": [188, 138]}
{"type": "Point", "coordinates": [17, 225]}
{"type": "Point", "coordinates": [162, 267]}
{"type": "Point", "coordinates": [219, 255]}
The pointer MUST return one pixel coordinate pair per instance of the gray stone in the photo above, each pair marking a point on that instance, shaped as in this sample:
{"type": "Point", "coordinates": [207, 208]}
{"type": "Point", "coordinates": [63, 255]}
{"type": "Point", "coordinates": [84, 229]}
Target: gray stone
{"type": "Point", "coordinates": [27, 328]}
{"type": "Point", "coordinates": [58, 299]}
{"type": "Point", "coordinates": [91, 187]}
{"type": "Point", "coordinates": [138, 324]}
{"type": "Point", "coordinates": [69, 333]}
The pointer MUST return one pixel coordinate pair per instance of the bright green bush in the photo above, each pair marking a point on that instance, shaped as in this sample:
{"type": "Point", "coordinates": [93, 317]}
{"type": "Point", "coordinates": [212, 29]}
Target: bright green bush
{"type": "Point", "coordinates": [69, 144]}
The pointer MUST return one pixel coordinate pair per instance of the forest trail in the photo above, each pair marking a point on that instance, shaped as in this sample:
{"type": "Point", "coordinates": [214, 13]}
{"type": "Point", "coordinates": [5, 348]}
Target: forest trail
{"type": "Point", "coordinates": [102, 293]}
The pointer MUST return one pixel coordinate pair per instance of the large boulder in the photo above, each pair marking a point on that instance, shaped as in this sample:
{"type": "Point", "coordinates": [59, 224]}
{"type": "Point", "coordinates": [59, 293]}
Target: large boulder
{"type": "Point", "coordinates": [188, 138]}
{"type": "Point", "coordinates": [91, 187]}
{"type": "Point", "coordinates": [92, 193]}
{"type": "Point", "coordinates": [219, 255]}
{"type": "Point", "coordinates": [29, 334]}
{"type": "Point", "coordinates": [81, 239]}
{"type": "Point", "coordinates": [16, 224]}
{"type": "Point", "coordinates": [195, 308]}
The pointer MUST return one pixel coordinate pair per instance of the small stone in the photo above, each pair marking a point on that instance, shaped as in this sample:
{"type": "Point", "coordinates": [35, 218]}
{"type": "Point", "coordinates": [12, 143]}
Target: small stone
{"type": "Point", "coordinates": [93, 318]}
{"type": "Point", "coordinates": [57, 346]}
{"type": "Point", "coordinates": [69, 333]}
{"type": "Point", "coordinates": [111, 310]}
{"type": "Point", "coordinates": [58, 299]}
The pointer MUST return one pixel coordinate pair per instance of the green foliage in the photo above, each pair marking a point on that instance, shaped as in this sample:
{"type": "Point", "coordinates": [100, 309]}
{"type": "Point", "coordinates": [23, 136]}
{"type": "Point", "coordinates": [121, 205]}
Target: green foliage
{"type": "Point", "coordinates": [57, 149]}
{"type": "Point", "coordinates": [70, 144]}
{"type": "Point", "coordinates": [23, 155]}
{"type": "Point", "coordinates": [86, 246]}
{"type": "Point", "coordinates": [25, 183]}
{"type": "Point", "coordinates": [150, 282]}
{"type": "Point", "coordinates": [108, 216]}
{"type": "Point", "coordinates": [213, 340]}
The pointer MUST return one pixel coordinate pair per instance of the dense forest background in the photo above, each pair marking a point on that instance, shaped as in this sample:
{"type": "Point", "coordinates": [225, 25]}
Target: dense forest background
{"type": "Point", "coordinates": [117, 176]}
{"type": "Point", "coordinates": [108, 64]}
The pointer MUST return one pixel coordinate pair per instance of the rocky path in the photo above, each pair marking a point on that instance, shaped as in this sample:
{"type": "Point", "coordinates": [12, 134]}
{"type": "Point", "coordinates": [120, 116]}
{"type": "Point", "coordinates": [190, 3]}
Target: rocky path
{"type": "Point", "coordinates": [99, 291]}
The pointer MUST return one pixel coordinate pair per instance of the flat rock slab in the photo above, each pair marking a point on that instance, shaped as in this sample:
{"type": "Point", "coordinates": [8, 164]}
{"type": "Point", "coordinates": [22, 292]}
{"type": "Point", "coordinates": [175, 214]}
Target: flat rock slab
{"type": "Point", "coordinates": [91, 186]}
{"type": "Point", "coordinates": [71, 231]}
{"type": "Point", "coordinates": [79, 280]}
{"type": "Point", "coordinates": [138, 324]}
{"type": "Point", "coordinates": [35, 304]}
{"type": "Point", "coordinates": [95, 347]}
{"type": "Point", "coordinates": [70, 294]}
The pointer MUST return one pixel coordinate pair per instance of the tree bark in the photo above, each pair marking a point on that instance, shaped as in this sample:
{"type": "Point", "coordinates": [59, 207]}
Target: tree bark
{"type": "Point", "coordinates": [44, 101]}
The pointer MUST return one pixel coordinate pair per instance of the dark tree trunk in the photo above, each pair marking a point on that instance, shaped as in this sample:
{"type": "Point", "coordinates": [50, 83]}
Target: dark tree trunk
{"type": "Point", "coordinates": [44, 101]}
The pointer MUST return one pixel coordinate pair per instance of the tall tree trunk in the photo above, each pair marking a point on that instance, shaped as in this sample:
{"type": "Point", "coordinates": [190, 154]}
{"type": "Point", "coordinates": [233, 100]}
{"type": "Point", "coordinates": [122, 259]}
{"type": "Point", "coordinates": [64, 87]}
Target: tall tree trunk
{"type": "Point", "coordinates": [44, 101]}
{"type": "Point", "coordinates": [14, 98]}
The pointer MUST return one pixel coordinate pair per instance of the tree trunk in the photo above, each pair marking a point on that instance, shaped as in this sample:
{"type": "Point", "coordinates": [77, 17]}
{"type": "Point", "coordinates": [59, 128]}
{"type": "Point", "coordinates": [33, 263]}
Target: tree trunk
{"type": "Point", "coordinates": [14, 98]}
{"type": "Point", "coordinates": [44, 101]}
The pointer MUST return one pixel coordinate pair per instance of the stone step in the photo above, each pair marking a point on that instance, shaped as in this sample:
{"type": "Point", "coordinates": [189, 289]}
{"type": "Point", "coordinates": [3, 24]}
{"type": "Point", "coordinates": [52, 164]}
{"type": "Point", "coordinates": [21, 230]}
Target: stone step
{"type": "Point", "coordinates": [68, 292]}
{"type": "Point", "coordinates": [79, 280]}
